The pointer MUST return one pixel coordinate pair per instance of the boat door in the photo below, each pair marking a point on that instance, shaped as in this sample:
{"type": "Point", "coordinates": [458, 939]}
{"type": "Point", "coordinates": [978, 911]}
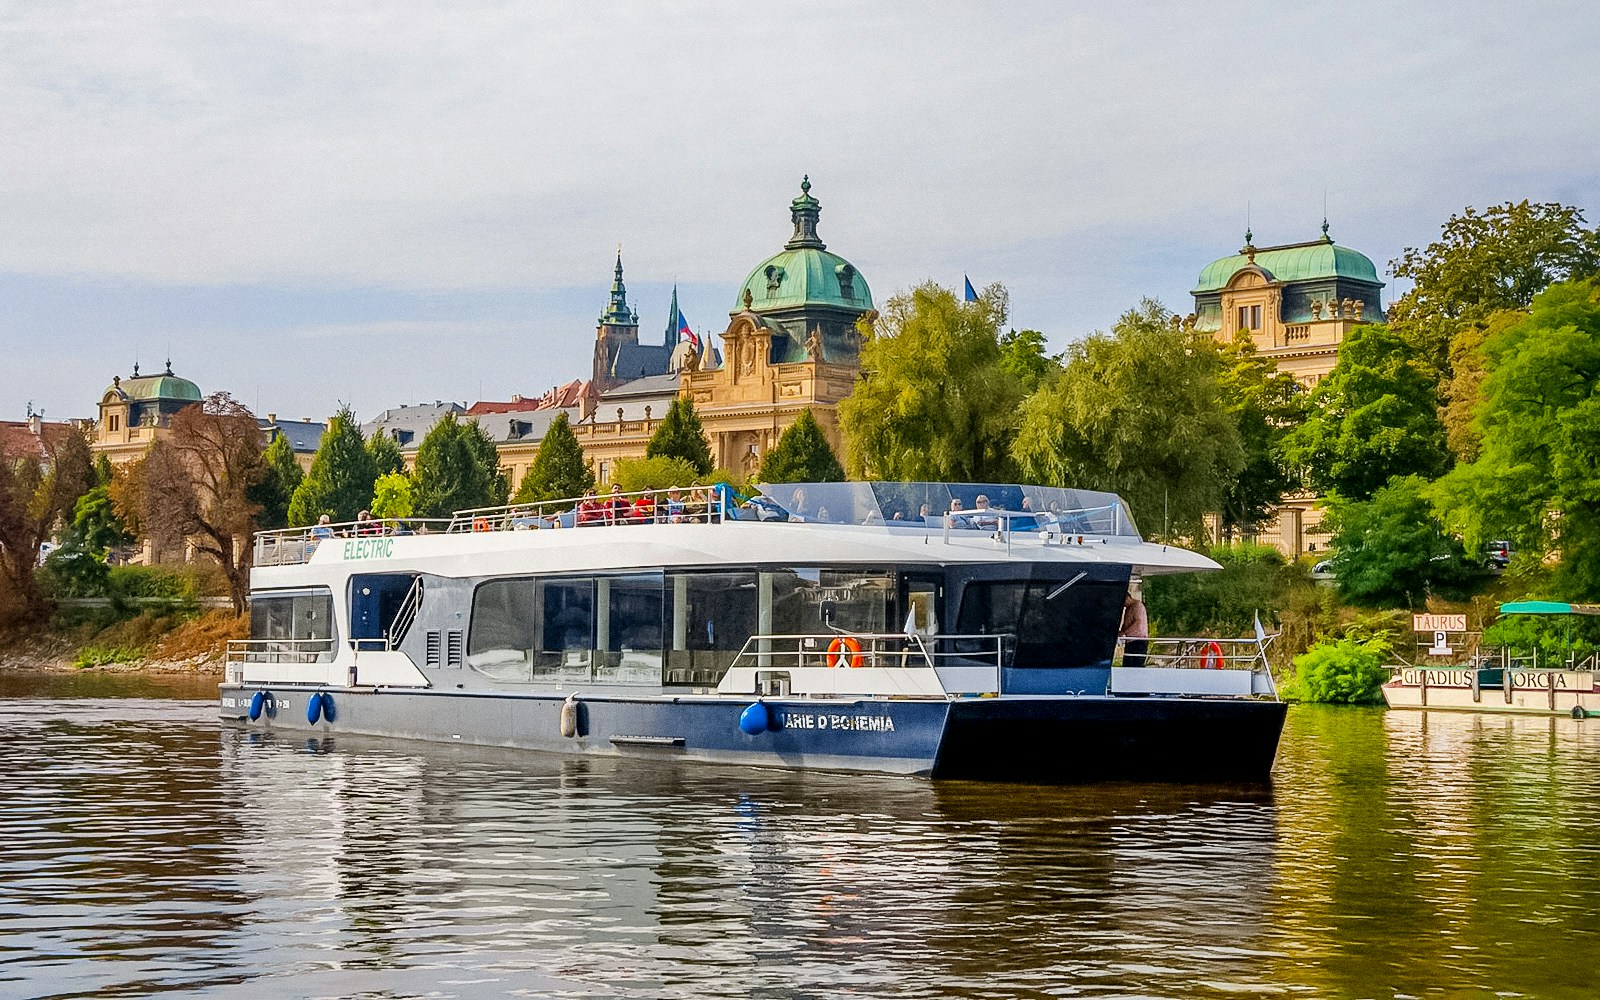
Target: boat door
{"type": "Point", "coordinates": [379, 604]}
{"type": "Point", "coordinates": [921, 602]}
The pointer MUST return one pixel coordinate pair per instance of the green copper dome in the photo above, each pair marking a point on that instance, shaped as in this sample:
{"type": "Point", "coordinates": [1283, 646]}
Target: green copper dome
{"type": "Point", "coordinates": [158, 387]}
{"type": "Point", "coordinates": [804, 273]}
{"type": "Point", "coordinates": [1295, 262]}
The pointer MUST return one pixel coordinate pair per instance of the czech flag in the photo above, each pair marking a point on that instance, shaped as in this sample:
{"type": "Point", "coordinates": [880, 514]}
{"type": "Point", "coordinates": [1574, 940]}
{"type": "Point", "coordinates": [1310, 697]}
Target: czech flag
{"type": "Point", "coordinates": [687, 334]}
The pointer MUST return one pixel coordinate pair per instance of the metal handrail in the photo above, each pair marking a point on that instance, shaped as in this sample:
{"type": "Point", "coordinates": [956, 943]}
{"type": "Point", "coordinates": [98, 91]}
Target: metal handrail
{"type": "Point", "coordinates": [276, 650]}
{"type": "Point", "coordinates": [705, 504]}
{"type": "Point", "coordinates": [1193, 652]}
{"type": "Point", "coordinates": [291, 546]}
{"type": "Point", "coordinates": [875, 649]}
{"type": "Point", "coordinates": [1002, 529]}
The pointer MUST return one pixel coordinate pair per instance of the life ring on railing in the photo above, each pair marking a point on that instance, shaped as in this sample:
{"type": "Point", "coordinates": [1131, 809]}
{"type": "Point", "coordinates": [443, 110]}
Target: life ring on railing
{"type": "Point", "coordinates": [481, 524]}
{"type": "Point", "coordinates": [1211, 657]}
{"type": "Point", "coordinates": [844, 651]}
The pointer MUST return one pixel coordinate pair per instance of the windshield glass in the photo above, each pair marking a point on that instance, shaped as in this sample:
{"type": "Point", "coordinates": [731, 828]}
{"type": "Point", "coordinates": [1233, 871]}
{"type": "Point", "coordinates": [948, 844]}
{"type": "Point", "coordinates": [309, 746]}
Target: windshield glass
{"type": "Point", "coordinates": [965, 506]}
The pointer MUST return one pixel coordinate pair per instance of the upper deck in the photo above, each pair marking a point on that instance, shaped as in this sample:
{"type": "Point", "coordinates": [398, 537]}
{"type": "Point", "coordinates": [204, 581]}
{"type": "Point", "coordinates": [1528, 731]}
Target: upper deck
{"type": "Point", "coordinates": [848, 522]}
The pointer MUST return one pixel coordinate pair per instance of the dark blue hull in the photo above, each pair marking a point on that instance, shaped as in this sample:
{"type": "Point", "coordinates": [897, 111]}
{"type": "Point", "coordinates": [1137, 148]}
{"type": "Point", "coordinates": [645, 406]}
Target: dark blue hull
{"type": "Point", "coordinates": [1035, 739]}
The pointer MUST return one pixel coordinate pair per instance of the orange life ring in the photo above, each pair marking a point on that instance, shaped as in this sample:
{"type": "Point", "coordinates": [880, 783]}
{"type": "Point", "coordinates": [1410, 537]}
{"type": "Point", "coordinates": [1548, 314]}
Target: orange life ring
{"type": "Point", "coordinates": [481, 524]}
{"type": "Point", "coordinates": [1211, 657]}
{"type": "Point", "coordinates": [844, 651]}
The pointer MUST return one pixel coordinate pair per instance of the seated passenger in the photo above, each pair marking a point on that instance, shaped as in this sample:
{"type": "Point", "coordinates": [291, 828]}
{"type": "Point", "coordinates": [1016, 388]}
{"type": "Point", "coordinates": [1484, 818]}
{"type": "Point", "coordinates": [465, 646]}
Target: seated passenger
{"type": "Point", "coordinates": [674, 507]}
{"type": "Point", "coordinates": [321, 530]}
{"type": "Point", "coordinates": [980, 517]}
{"type": "Point", "coordinates": [644, 510]}
{"type": "Point", "coordinates": [591, 510]}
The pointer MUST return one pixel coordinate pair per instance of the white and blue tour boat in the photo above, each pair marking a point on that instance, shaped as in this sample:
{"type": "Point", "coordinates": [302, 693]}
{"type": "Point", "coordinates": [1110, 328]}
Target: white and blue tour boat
{"type": "Point", "coordinates": [943, 630]}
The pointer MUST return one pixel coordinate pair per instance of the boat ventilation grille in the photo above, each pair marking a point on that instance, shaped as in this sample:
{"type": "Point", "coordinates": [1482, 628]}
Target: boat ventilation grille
{"type": "Point", "coordinates": [435, 641]}
{"type": "Point", "coordinates": [454, 640]}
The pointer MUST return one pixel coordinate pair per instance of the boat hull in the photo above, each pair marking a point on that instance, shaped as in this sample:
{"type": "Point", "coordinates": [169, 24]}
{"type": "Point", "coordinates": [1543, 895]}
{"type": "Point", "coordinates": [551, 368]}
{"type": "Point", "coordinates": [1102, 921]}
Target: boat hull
{"type": "Point", "coordinates": [1467, 689]}
{"type": "Point", "coordinates": [1033, 739]}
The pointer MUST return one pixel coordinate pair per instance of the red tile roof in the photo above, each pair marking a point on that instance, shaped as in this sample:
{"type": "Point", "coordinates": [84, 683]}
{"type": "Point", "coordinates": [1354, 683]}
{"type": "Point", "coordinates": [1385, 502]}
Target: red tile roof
{"type": "Point", "coordinates": [559, 397]}
{"type": "Point", "coordinates": [17, 439]}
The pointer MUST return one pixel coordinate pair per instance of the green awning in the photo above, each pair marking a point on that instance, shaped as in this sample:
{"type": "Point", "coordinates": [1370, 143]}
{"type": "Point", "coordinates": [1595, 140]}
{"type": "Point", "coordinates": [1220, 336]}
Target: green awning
{"type": "Point", "coordinates": [1548, 608]}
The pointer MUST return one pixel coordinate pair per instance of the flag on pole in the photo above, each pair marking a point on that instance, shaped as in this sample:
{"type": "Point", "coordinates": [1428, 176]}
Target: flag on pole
{"type": "Point", "coordinates": [686, 333]}
{"type": "Point", "coordinates": [971, 295]}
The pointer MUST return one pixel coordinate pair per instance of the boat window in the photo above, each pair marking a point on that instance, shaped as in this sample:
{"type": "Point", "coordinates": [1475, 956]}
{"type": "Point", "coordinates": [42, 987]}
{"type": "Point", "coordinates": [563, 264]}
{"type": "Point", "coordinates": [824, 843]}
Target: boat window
{"type": "Point", "coordinates": [712, 615]}
{"type": "Point", "coordinates": [1055, 625]}
{"type": "Point", "coordinates": [818, 601]}
{"type": "Point", "coordinates": [302, 621]}
{"type": "Point", "coordinates": [500, 641]}
{"type": "Point", "coordinates": [628, 629]}
{"type": "Point", "coordinates": [565, 629]}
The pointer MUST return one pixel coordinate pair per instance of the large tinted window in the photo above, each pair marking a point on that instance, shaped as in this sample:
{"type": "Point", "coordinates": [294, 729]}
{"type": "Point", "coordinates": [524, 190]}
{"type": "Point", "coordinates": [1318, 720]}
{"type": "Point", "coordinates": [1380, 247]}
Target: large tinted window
{"type": "Point", "coordinates": [300, 621]}
{"type": "Point", "coordinates": [712, 615]}
{"type": "Point", "coordinates": [502, 617]}
{"type": "Point", "coordinates": [818, 601]}
{"type": "Point", "coordinates": [1057, 623]}
{"type": "Point", "coordinates": [628, 628]}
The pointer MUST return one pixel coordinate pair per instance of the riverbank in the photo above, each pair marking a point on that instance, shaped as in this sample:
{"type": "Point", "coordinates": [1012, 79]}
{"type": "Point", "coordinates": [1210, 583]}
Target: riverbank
{"type": "Point", "coordinates": [151, 642]}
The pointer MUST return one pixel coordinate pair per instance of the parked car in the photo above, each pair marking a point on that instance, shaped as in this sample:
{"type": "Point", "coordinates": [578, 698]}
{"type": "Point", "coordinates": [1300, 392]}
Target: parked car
{"type": "Point", "coordinates": [1498, 554]}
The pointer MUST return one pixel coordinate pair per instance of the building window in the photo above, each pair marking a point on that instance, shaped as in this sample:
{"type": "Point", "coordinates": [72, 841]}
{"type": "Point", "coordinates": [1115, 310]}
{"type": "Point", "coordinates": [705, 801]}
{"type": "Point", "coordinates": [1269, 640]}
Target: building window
{"type": "Point", "coordinates": [114, 422]}
{"type": "Point", "coordinates": [605, 474]}
{"type": "Point", "coordinates": [1255, 317]}
{"type": "Point", "coordinates": [1249, 317]}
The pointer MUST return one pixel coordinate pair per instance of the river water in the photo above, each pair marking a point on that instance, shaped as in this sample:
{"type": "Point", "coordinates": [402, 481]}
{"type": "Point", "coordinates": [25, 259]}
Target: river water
{"type": "Point", "coordinates": [148, 850]}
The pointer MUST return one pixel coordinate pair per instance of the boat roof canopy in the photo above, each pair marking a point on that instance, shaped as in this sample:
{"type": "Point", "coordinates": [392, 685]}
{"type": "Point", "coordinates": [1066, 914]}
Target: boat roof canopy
{"type": "Point", "coordinates": [1548, 608]}
{"type": "Point", "coordinates": [1076, 511]}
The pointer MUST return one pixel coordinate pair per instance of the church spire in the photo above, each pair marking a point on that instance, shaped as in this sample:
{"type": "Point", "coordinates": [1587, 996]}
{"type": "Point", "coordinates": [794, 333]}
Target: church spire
{"type": "Point", "coordinates": [804, 211]}
{"type": "Point", "coordinates": [617, 312]}
{"type": "Point", "coordinates": [673, 322]}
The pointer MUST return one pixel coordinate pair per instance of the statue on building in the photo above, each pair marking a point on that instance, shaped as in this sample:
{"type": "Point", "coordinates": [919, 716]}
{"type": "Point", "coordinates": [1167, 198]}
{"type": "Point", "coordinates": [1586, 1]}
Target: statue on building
{"type": "Point", "coordinates": [814, 344]}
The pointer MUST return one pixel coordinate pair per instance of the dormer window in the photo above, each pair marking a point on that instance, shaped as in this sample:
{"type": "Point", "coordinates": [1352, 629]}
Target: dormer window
{"type": "Point", "coordinates": [847, 280]}
{"type": "Point", "coordinates": [1250, 317]}
{"type": "Point", "coordinates": [114, 422]}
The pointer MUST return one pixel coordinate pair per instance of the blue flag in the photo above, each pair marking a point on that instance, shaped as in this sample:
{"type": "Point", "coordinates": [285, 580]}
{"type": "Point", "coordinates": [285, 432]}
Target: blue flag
{"type": "Point", "coordinates": [971, 296]}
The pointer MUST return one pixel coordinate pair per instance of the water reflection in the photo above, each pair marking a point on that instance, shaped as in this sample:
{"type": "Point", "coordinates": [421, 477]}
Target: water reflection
{"type": "Point", "coordinates": [1398, 853]}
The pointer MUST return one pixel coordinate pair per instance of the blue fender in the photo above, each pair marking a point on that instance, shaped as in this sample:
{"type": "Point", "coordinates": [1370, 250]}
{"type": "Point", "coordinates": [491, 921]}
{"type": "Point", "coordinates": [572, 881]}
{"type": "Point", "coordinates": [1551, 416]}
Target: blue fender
{"type": "Point", "coordinates": [314, 707]}
{"type": "Point", "coordinates": [753, 720]}
{"type": "Point", "coordinates": [258, 701]}
{"type": "Point", "coordinates": [328, 711]}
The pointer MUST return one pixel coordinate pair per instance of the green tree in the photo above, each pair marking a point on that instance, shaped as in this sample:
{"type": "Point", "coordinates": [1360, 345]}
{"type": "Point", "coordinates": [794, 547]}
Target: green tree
{"type": "Point", "coordinates": [1536, 480]}
{"type": "Point", "coordinates": [560, 470]}
{"type": "Point", "coordinates": [660, 473]}
{"type": "Point", "coordinates": [681, 436]}
{"type": "Point", "coordinates": [1374, 417]}
{"type": "Point", "coordinates": [1266, 404]}
{"type": "Point", "coordinates": [936, 402]}
{"type": "Point", "coordinates": [392, 496]}
{"type": "Point", "coordinates": [276, 489]}
{"type": "Point", "coordinates": [1023, 357]}
{"type": "Point", "coordinates": [35, 495]}
{"type": "Point", "coordinates": [1485, 262]}
{"type": "Point", "coordinates": [1391, 550]}
{"type": "Point", "coordinates": [802, 455]}
{"type": "Point", "coordinates": [96, 524]}
{"type": "Point", "coordinates": [457, 469]}
{"type": "Point", "coordinates": [1140, 413]}
{"type": "Point", "coordinates": [341, 477]}
{"type": "Point", "coordinates": [385, 452]}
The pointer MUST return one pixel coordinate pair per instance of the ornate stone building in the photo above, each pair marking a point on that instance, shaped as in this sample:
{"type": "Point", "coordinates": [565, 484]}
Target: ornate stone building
{"type": "Point", "coordinates": [1296, 302]}
{"type": "Point", "coordinates": [134, 411]}
{"type": "Point", "coordinates": [791, 345]}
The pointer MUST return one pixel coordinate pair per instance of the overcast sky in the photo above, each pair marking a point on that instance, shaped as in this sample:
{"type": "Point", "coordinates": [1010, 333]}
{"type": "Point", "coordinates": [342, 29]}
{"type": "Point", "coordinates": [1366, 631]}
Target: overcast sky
{"type": "Point", "coordinates": [313, 203]}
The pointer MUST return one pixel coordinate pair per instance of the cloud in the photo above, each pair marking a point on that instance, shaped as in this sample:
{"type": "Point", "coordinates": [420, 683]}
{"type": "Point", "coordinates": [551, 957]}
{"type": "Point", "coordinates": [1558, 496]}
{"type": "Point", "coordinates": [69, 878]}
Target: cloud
{"type": "Point", "coordinates": [1084, 155]}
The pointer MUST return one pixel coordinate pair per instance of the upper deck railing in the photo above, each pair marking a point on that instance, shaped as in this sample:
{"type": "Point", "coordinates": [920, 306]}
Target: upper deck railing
{"type": "Point", "coordinates": [956, 511]}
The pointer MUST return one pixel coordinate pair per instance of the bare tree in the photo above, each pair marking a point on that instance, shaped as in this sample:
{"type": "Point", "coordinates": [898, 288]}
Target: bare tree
{"type": "Point", "coordinates": [35, 494]}
{"type": "Point", "coordinates": [196, 485]}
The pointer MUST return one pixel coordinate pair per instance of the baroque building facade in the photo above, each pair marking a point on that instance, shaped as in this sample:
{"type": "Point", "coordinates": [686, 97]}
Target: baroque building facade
{"type": "Point", "coordinates": [1295, 303]}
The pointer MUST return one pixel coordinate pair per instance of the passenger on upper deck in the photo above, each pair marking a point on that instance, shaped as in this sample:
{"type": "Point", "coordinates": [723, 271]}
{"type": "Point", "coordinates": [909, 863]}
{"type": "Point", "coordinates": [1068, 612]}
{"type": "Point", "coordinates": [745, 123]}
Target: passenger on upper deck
{"type": "Point", "coordinates": [590, 510]}
{"type": "Point", "coordinates": [674, 507]}
{"type": "Point", "coordinates": [321, 530]}
{"type": "Point", "coordinates": [981, 518]}
{"type": "Point", "coordinates": [644, 509]}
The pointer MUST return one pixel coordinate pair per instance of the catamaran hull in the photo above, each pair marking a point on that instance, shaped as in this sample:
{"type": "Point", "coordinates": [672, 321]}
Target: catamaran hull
{"type": "Point", "coordinates": [1033, 739]}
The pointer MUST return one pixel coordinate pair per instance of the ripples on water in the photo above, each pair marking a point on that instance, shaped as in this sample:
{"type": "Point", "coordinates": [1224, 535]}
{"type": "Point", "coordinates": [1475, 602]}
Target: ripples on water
{"type": "Point", "coordinates": [147, 850]}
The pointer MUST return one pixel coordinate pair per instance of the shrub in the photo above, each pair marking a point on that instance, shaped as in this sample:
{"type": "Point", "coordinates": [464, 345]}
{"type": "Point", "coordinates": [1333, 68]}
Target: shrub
{"type": "Point", "coordinates": [98, 656]}
{"type": "Point", "coordinates": [180, 586]}
{"type": "Point", "coordinates": [1342, 672]}
{"type": "Point", "coordinates": [1253, 579]}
